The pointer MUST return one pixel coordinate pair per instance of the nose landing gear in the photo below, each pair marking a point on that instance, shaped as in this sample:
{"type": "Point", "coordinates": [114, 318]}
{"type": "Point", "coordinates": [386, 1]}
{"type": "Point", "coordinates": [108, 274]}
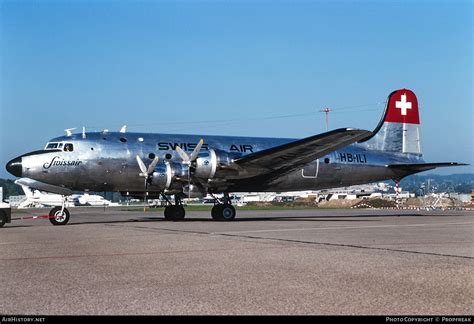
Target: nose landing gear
{"type": "Point", "coordinates": [59, 215]}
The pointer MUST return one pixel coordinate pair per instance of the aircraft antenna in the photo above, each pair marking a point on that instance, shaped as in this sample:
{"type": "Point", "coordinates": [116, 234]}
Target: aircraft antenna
{"type": "Point", "coordinates": [326, 110]}
{"type": "Point", "coordinates": [69, 131]}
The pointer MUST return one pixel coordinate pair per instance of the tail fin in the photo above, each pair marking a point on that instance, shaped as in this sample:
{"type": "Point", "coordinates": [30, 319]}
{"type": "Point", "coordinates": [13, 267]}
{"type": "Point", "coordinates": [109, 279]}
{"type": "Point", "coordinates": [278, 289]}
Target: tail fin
{"type": "Point", "coordinates": [399, 129]}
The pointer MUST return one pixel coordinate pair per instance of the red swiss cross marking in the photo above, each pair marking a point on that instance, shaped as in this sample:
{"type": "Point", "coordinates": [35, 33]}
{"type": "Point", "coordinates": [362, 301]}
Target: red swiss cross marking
{"type": "Point", "coordinates": [402, 107]}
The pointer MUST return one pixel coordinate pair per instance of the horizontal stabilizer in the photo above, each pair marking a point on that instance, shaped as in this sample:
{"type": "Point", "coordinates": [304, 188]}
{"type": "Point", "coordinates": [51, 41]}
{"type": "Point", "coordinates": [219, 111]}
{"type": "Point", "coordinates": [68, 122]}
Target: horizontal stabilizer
{"type": "Point", "coordinates": [420, 167]}
{"type": "Point", "coordinates": [41, 186]}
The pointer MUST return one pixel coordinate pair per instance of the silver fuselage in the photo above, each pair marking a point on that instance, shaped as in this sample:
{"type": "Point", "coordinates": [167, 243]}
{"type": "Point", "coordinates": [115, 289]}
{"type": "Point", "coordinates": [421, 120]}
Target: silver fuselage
{"type": "Point", "coordinates": [107, 162]}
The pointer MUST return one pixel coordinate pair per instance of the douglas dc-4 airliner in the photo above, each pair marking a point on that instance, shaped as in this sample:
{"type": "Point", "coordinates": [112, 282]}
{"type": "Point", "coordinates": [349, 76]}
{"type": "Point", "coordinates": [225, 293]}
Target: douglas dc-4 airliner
{"type": "Point", "coordinates": [196, 165]}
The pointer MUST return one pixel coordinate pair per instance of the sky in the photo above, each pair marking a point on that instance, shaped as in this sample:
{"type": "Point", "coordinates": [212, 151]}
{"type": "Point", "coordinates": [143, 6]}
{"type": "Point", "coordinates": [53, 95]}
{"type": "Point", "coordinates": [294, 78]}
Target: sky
{"type": "Point", "coordinates": [247, 68]}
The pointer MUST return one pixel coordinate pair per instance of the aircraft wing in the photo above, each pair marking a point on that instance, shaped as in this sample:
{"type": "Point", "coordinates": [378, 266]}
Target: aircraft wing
{"type": "Point", "coordinates": [44, 186]}
{"type": "Point", "coordinates": [292, 156]}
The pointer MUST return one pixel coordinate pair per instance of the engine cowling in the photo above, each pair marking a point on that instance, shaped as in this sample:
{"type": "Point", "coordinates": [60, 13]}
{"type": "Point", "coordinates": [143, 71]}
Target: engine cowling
{"type": "Point", "coordinates": [209, 163]}
{"type": "Point", "coordinates": [168, 175]}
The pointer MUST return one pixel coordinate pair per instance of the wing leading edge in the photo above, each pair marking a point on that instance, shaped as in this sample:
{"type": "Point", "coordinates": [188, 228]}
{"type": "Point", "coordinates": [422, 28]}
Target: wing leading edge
{"type": "Point", "coordinates": [292, 156]}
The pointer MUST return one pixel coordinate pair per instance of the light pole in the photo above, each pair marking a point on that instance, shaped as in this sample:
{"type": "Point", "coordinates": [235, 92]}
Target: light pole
{"type": "Point", "coordinates": [326, 110]}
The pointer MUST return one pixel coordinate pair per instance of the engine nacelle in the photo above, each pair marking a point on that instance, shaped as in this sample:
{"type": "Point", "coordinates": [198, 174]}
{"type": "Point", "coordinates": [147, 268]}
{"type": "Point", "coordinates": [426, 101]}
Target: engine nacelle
{"type": "Point", "coordinates": [169, 175]}
{"type": "Point", "coordinates": [206, 165]}
{"type": "Point", "coordinates": [209, 162]}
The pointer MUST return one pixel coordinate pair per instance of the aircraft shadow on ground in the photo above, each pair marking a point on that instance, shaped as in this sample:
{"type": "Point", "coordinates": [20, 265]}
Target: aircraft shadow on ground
{"type": "Point", "coordinates": [341, 218]}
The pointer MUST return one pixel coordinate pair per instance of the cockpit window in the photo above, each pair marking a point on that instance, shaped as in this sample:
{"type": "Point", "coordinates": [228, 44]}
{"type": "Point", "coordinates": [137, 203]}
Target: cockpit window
{"type": "Point", "coordinates": [68, 147]}
{"type": "Point", "coordinates": [51, 146]}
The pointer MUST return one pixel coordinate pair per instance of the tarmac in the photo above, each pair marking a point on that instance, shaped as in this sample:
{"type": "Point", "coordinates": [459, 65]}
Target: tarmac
{"type": "Point", "coordinates": [308, 262]}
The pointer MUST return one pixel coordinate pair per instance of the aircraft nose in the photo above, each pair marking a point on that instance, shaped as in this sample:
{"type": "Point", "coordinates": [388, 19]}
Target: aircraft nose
{"type": "Point", "coordinates": [15, 167]}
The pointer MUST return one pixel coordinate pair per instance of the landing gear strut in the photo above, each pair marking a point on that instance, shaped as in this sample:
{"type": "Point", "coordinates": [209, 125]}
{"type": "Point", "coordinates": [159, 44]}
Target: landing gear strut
{"type": "Point", "coordinates": [225, 211]}
{"type": "Point", "coordinates": [174, 212]}
{"type": "Point", "coordinates": [59, 215]}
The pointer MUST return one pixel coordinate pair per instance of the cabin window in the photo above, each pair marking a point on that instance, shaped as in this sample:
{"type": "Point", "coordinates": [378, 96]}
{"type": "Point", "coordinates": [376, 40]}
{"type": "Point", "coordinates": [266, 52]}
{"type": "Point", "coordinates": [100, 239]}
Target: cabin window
{"type": "Point", "coordinates": [123, 139]}
{"type": "Point", "coordinates": [151, 156]}
{"type": "Point", "coordinates": [68, 147]}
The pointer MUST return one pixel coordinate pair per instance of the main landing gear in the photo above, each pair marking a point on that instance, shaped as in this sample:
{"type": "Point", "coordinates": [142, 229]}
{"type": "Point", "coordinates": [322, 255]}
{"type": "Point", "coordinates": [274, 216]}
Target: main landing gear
{"type": "Point", "coordinates": [174, 212]}
{"type": "Point", "coordinates": [222, 211]}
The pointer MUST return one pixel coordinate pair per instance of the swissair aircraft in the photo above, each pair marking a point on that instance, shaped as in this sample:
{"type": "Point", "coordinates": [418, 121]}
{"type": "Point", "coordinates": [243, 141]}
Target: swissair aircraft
{"type": "Point", "coordinates": [195, 165]}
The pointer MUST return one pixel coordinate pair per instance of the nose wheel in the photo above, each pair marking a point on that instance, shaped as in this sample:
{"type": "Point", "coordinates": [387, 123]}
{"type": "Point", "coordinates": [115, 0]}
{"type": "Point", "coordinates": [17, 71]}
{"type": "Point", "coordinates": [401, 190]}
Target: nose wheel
{"type": "Point", "coordinates": [59, 216]}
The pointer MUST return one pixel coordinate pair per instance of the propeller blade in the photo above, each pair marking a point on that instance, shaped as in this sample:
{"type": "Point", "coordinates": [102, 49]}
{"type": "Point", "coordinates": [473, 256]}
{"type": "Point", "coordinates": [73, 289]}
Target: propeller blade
{"type": "Point", "coordinates": [152, 165]}
{"type": "Point", "coordinates": [196, 150]}
{"type": "Point", "coordinates": [146, 173]}
{"type": "Point", "coordinates": [142, 166]}
{"type": "Point", "coordinates": [184, 156]}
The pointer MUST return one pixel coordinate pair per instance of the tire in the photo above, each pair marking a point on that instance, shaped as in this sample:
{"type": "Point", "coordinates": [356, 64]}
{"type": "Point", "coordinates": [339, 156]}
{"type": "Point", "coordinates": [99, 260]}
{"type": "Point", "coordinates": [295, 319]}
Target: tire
{"type": "Point", "coordinates": [56, 218]}
{"type": "Point", "coordinates": [3, 218]}
{"type": "Point", "coordinates": [224, 212]}
{"type": "Point", "coordinates": [178, 213]}
{"type": "Point", "coordinates": [216, 212]}
{"type": "Point", "coordinates": [168, 212]}
{"type": "Point", "coordinates": [228, 212]}
{"type": "Point", "coordinates": [175, 213]}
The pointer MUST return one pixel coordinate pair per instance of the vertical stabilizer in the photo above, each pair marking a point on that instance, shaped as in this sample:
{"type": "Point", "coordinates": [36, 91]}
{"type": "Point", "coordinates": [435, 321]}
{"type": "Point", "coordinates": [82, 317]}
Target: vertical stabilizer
{"type": "Point", "coordinates": [399, 129]}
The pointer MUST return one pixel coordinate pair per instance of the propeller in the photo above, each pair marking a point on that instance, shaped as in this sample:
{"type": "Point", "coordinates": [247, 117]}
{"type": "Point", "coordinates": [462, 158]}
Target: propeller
{"type": "Point", "coordinates": [146, 173]}
{"type": "Point", "coordinates": [189, 159]}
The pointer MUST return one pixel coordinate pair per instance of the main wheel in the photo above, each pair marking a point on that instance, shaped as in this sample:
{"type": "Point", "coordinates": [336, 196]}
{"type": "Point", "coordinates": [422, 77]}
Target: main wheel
{"type": "Point", "coordinates": [57, 217]}
{"type": "Point", "coordinates": [168, 212]}
{"type": "Point", "coordinates": [224, 212]}
{"type": "Point", "coordinates": [174, 213]}
{"type": "Point", "coordinates": [216, 212]}
{"type": "Point", "coordinates": [3, 218]}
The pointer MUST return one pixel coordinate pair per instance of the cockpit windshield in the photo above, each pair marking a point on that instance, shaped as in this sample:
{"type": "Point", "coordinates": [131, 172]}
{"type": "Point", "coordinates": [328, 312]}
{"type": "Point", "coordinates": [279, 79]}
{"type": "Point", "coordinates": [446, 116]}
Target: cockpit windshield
{"type": "Point", "coordinates": [51, 146]}
{"type": "Point", "coordinates": [66, 147]}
